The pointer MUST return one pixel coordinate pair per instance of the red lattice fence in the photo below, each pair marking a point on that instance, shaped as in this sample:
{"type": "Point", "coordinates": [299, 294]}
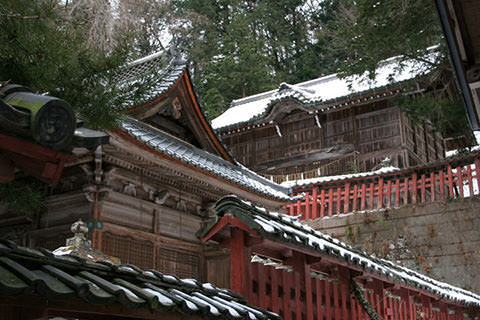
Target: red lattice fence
{"type": "Point", "coordinates": [441, 181]}
{"type": "Point", "coordinates": [297, 297]}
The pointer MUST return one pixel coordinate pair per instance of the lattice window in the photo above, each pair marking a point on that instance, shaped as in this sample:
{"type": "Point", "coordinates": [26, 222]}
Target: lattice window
{"type": "Point", "coordinates": [128, 250]}
{"type": "Point", "coordinates": [180, 263]}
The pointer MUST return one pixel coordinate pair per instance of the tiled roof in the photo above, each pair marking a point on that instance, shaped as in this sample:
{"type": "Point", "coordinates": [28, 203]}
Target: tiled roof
{"type": "Point", "coordinates": [28, 271]}
{"type": "Point", "coordinates": [187, 153]}
{"type": "Point", "coordinates": [303, 182]}
{"type": "Point", "coordinates": [157, 72]}
{"type": "Point", "coordinates": [280, 227]}
{"type": "Point", "coordinates": [318, 93]}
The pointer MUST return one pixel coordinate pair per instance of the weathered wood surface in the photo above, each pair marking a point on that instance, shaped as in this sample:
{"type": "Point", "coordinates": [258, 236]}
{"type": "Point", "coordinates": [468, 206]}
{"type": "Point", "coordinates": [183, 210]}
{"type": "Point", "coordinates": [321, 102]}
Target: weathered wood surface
{"type": "Point", "coordinates": [373, 131]}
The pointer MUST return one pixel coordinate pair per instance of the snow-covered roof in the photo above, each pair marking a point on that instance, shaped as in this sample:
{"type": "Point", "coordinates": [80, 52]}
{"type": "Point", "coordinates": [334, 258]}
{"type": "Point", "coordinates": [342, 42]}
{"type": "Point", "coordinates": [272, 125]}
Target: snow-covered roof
{"type": "Point", "coordinates": [284, 228]}
{"type": "Point", "coordinates": [187, 153]}
{"type": "Point", "coordinates": [69, 278]}
{"type": "Point", "coordinates": [303, 182]}
{"type": "Point", "coordinates": [319, 91]}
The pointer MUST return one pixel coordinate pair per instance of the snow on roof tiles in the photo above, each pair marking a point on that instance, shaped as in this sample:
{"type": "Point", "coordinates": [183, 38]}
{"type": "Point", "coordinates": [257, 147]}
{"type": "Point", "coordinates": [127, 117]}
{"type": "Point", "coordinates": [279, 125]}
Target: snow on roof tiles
{"type": "Point", "coordinates": [288, 229]}
{"type": "Point", "coordinates": [26, 271]}
{"type": "Point", "coordinates": [318, 91]}
{"type": "Point", "coordinates": [187, 153]}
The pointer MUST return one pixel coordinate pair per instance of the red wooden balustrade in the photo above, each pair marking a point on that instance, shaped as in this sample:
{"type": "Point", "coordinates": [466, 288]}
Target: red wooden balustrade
{"type": "Point", "coordinates": [298, 296]}
{"type": "Point", "coordinates": [441, 181]}
{"type": "Point", "coordinates": [316, 286]}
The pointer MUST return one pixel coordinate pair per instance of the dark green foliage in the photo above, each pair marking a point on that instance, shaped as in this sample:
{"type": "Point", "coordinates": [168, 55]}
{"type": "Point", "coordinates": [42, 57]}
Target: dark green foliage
{"type": "Point", "coordinates": [243, 48]}
{"type": "Point", "coordinates": [373, 30]}
{"type": "Point", "coordinates": [446, 115]}
{"type": "Point", "coordinates": [23, 198]}
{"type": "Point", "coordinates": [370, 31]}
{"type": "Point", "coordinates": [42, 49]}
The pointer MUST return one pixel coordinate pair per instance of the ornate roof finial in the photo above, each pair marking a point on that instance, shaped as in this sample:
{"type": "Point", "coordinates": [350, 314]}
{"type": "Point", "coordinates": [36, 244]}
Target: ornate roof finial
{"type": "Point", "coordinates": [80, 246]}
{"type": "Point", "coordinates": [80, 231]}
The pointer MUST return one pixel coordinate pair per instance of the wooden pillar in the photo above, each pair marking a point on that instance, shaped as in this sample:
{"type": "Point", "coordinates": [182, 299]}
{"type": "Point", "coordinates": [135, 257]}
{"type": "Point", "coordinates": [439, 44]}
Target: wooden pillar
{"type": "Point", "coordinates": [346, 198]}
{"type": "Point", "coordinates": [414, 188]}
{"type": "Point", "coordinates": [308, 293]}
{"type": "Point", "coordinates": [237, 261]}
{"type": "Point", "coordinates": [380, 193]}
{"type": "Point", "coordinates": [314, 213]}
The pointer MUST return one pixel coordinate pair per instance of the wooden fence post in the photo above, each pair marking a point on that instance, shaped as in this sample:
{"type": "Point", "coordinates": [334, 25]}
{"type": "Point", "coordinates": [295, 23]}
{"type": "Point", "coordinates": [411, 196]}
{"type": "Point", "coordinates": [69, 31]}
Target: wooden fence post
{"type": "Point", "coordinates": [314, 212]}
{"type": "Point", "coordinates": [237, 261]}
{"type": "Point", "coordinates": [380, 193]}
{"type": "Point", "coordinates": [346, 197]}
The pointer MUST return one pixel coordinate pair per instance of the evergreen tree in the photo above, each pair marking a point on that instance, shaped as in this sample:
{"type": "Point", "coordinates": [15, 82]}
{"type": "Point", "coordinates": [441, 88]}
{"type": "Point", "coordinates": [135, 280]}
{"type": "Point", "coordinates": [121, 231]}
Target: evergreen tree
{"type": "Point", "coordinates": [43, 48]}
{"type": "Point", "coordinates": [243, 48]}
{"type": "Point", "coordinates": [369, 31]}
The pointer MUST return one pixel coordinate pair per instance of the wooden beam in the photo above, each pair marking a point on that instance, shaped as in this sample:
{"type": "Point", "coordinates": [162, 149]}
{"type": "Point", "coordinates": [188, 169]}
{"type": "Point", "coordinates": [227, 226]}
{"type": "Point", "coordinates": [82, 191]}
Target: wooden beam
{"type": "Point", "coordinates": [237, 261]}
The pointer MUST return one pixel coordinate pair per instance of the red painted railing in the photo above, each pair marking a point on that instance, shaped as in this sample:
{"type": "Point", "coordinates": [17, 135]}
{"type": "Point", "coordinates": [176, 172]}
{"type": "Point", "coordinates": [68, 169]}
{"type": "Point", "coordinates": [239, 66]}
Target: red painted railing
{"type": "Point", "coordinates": [300, 297]}
{"type": "Point", "coordinates": [452, 179]}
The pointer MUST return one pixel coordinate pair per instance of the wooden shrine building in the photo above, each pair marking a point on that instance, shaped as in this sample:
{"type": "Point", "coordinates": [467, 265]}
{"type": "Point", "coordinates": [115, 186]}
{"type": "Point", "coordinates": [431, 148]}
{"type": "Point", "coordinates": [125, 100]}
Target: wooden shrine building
{"type": "Point", "coordinates": [328, 126]}
{"type": "Point", "coordinates": [146, 193]}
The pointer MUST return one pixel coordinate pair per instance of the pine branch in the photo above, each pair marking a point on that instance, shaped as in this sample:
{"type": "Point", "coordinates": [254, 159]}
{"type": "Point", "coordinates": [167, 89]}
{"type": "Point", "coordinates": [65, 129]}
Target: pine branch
{"type": "Point", "coordinates": [366, 306]}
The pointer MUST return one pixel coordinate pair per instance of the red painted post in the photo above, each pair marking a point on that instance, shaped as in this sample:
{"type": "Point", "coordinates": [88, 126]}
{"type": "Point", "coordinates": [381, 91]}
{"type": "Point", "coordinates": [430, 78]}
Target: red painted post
{"type": "Point", "coordinates": [344, 292]}
{"type": "Point", "coordinates": [308, 294]}
{"type": "Point", "coordinates": [319, 294]}
{"type": "Point", "coordinates": [470, 179]}
{"type": "Point", "coordinates": [336, 303]}
{"type": "Point", "coordinates": [406, 190]}
{"type": "Point", "coordinates": [237, 261]}
{"type": "Point", "coordinates": [380, 193]}
{"type": "Point", "coordinates": [314, 212]}
{"type": "Point", "coordinates": [328, 309]}
{"type": "Point", "coordinates": [355, 198]}
{"type": "Point", "coordinates": [414, 188]}
{"type": "Point", "coordinates": [460, 181]}
{"type": "Point", "coordinates": [274, 284]}
{"type": "Point", "coordinates": [432, 186]}
{"type": "Point", "coordinates": [450, 181]}
{"type": "Point", "coordinates": [422, 189]}
{"type": "Point", "coordinates": [261, 285]}
{"type": "Point", "coordinates": [287, 315]}
{"type": "Point", "coordinates": [362, 199]}
{"type": "Point", "coordinates": [307, 214]}
{"type": "Point", "coordinates": [330, 202]}
{"type": "Point", "coordinates": [397, 193]}
{"type": "Point", "coordinates": [441, 180]}
{"type": "Point", "coordinates": [353, 307]}
{"type": "Point", "coordinates": [298, 303]}
{"type": "Point", "coordinates": [322, 203]}
{"type": "Point", "coordinates": [379, 303]}
{"type": "Point", "coordinates": [372, 195]}
{"type": "Point", "coordinates": [339, 200]}
{"type": "Point", "coordinates": [389, 194]}
{"type": "Point", "coordinates": [346, 197]}
{"type": "Point", "coordinates": [299, 207]}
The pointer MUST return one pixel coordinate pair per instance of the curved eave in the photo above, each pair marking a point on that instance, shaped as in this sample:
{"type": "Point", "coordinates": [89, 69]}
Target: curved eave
{"type": "Point", "coordinates": [335, 104]}
{"type": "Point", "coordinates": [185, 78]}
{"type": "Point", "coordinates": [244, 191]}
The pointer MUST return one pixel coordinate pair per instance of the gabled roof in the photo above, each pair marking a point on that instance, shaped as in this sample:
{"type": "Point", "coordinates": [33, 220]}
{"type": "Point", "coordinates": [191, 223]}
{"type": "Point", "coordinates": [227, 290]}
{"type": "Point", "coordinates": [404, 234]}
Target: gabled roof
{"type": "Point", "coordinates": [190, 155]}
{"type": "Point", "coordinates": [165, 74]}
{"type": "Point", "coordinates": [25, 271]}
{"type": "Point", "coordinates": [287, 229]}
{"type": "Point", "coordinates": [319, 93]}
